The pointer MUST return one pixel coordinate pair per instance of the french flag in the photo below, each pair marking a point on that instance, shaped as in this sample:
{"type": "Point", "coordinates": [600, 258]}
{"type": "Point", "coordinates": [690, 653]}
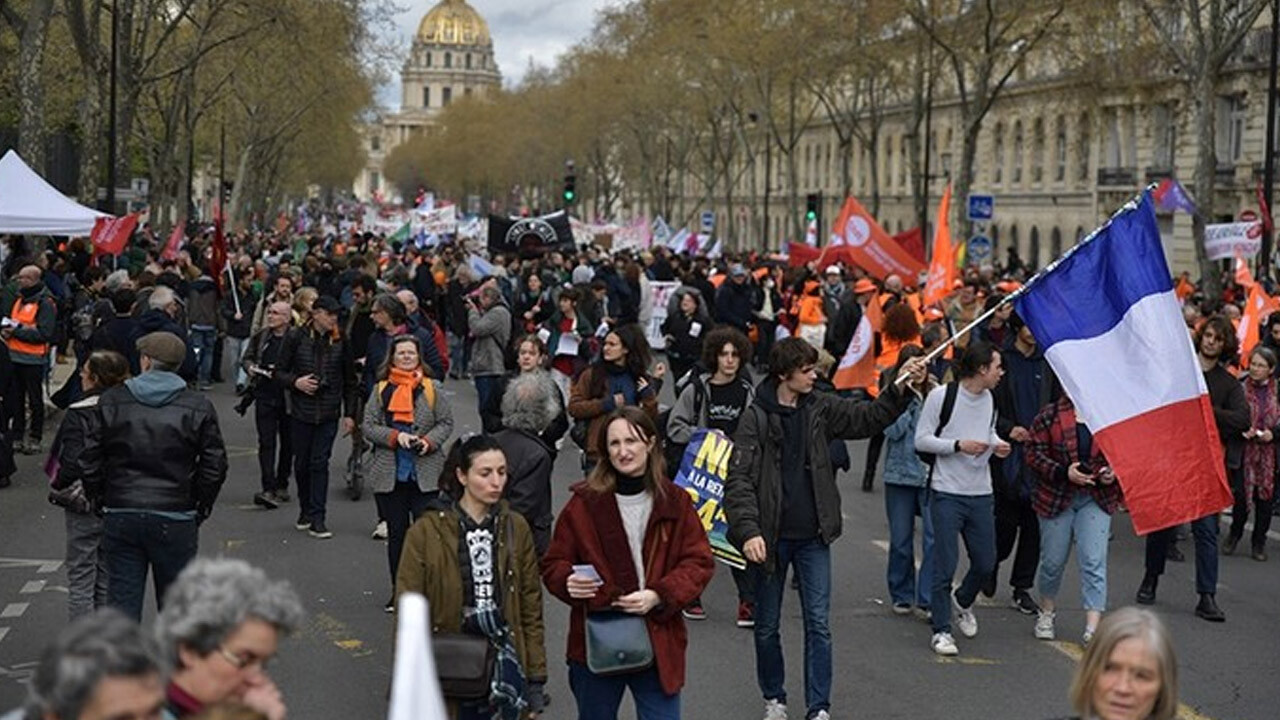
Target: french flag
{"type": "Point", "coordinates": [1109, 322]}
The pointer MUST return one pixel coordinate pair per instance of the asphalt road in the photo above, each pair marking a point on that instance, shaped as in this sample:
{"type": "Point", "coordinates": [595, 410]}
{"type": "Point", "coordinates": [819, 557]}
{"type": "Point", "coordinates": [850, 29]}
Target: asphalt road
{"type": "Point", "coordinates": [339, 665]}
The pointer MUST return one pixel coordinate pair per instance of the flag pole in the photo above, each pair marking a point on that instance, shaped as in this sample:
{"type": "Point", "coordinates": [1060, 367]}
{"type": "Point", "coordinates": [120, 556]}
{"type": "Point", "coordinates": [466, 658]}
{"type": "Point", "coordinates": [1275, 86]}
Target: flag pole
{"type": "Point", "coordinates": [1129, 205]}
{"type": "Point", "coordinates": [234, 291]}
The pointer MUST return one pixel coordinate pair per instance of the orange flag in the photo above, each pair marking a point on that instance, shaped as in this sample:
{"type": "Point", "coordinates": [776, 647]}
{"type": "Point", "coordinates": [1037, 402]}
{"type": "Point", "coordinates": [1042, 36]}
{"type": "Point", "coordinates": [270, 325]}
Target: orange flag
{"type": "Point", "coordinates": [875, 313]}
{"type": "Point", "coordinates": [1184, 288]}
{"type": "Point", "coordinates": [1244, 278]}
{"type": "Point", "coordinates": [942, 268]}
{"type": "Point", "coordinates": [858, 366]}
{"type": "Point", "coordinates": [1256, 310]}
{"type": "Point", "coordinates": [868, 246]}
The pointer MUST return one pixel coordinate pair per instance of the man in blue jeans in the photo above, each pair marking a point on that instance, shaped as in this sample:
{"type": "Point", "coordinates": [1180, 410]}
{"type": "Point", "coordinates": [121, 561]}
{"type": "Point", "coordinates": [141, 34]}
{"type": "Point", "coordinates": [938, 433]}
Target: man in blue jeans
{"type": "Point", "coordinates": [783, 506]}
{"type": "Point", "coordinates": [157, 463]}
{"type": "Point", "coordinates": [961, 502]}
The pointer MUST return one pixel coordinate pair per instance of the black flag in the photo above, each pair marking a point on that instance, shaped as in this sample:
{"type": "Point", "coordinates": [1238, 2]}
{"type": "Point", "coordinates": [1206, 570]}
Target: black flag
{"type": "Point", "coordinates": [530, 237]}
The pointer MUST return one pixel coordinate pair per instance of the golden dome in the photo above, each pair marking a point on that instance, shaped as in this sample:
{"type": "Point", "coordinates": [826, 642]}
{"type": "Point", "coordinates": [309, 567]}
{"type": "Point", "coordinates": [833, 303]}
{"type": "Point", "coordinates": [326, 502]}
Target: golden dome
{"type": "Point", "coordinates": [453, 22]}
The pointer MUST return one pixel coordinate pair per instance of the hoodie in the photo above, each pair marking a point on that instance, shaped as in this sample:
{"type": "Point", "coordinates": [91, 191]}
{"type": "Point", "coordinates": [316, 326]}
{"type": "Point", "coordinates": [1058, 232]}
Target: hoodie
{"type": "Point", "coordinates": [155, 388]}
{"type": "Point", "coordinates": [799, 508]}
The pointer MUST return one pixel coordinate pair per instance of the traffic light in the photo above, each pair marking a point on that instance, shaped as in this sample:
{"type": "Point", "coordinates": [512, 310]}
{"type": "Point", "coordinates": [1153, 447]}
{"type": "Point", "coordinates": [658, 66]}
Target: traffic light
{"type": "Point", "coordinates": [570, 192]}
{"type": "Point", "coordinates": [227, 187]}
{"type": "Point", "coordinates": [813, 208]}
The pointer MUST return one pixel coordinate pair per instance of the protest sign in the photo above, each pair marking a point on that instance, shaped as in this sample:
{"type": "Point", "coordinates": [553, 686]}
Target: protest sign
{"type": "Point", "coordinates": [661, 294]}
{"type": "Point", "coordinates": [702, 474]}
{"type": "Point", "coordinates": [1227, 240]}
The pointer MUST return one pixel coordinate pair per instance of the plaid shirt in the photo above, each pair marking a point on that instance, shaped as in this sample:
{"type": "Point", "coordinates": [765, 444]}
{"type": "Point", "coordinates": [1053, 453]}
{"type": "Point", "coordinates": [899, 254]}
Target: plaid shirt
{"type": "Point", "coordinates": [1051, 450]}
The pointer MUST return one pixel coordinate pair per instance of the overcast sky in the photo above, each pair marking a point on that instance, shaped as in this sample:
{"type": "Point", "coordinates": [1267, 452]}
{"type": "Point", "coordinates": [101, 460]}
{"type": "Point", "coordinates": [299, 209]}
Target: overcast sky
{"type": "Point", "coordinates": [521, 29]}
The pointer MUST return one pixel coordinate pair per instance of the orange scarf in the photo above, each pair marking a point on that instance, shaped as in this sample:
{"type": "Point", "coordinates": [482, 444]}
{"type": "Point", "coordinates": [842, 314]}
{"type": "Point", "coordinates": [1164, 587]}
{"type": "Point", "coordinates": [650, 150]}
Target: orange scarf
{"type": "Point", "coordinates": [401, 404]}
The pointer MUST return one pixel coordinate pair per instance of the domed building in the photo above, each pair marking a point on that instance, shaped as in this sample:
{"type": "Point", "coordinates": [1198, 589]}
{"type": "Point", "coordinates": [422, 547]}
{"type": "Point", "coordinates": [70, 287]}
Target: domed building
{"type": "Point", "coordinates": [451, 58]}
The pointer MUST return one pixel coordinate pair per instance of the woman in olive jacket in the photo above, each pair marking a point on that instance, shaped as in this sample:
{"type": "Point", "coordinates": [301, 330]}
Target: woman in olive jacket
{"type": "Point", "coordinates": [467, 535]}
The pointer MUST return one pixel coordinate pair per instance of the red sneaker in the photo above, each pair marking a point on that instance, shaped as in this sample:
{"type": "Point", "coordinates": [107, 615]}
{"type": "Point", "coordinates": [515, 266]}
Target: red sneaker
{"type": "Point", "coordinates": [746, 615]}
{"type": "Point", "coordinates": [694, 611]}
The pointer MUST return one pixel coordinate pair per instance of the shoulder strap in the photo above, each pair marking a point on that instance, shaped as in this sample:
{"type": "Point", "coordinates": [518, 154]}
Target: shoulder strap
{"type": "Point", "coordinates": [948, 406]}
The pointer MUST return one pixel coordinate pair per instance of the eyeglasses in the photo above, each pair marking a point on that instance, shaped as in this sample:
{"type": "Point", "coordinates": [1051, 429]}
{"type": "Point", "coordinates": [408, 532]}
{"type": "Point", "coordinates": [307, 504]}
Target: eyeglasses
{"type": "Point", "coordinates": [245, 661]}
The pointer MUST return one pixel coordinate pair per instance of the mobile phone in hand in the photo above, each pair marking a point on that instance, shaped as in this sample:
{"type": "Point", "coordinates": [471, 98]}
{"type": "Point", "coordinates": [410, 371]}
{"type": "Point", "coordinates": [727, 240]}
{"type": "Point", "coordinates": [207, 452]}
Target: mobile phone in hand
{"type": "Point", "coordinates": [588, 571]}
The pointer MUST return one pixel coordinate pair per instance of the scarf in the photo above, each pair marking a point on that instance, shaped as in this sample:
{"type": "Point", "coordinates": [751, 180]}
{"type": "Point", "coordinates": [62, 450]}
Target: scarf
{"type": "Point", "coordinates": [1260, 458]}
{"type": "Point", "coordinates": [401, 403]}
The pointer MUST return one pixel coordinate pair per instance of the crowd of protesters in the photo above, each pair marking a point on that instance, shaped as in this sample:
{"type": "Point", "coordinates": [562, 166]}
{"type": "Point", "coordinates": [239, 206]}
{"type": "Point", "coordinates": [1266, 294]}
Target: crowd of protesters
{"type": "Point", "coordinates": [356, 337]}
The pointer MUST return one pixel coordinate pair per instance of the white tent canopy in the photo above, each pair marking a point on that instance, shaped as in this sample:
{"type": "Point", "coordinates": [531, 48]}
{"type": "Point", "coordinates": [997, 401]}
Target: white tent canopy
{"type": "Point", "coordinates": [28, 204]}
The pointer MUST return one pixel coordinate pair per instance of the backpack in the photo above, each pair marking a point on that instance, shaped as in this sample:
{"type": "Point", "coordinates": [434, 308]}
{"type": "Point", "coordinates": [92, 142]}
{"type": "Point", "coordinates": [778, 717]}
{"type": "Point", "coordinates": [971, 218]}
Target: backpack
{"type": "Point", "coordinates": [673, 452]}
{"type": "Point", "coordinates": [944, 417]}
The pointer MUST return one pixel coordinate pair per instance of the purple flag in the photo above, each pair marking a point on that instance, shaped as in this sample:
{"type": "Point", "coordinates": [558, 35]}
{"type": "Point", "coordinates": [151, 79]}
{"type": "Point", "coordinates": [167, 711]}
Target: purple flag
{"type": "Point", "coordinates": [1171, 197]}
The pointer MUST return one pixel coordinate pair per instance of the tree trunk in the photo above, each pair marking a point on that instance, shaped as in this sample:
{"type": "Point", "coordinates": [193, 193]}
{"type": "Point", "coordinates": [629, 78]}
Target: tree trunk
{"type": "Point", "coordinates": [1204, 93]}
{"type": "Point", "coordinates": [964, 178]}
{"type": "Point", "coordinates": [31, 135]}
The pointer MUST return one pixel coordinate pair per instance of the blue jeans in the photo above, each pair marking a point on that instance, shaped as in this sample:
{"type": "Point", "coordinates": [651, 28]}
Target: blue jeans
{"type": "Point", "coordinates": [812, 562]}
{"type": "Point", "coordinates": [1205, 531]}
{"type": "Point", "coordinates": [233, 351]}
{"type": "Point", "coordinates": [86, 564]}
{"type": "Point", "coordinates": [202, 340]}
{"type": "Point", "coordinates": [907, 586]}
{"type": "Point", "coordinates": [312, 446]}
{"type": "Point", "coordinates": [134, 542]}
{"type": "Point", "coordinates": [486, 385]}
{"type": "Point", "coordinates": [600, 696]}
{"type": "Point", "coordinates": [971, 517]}
{"type": "Point", "coordinates": [1090, 525]}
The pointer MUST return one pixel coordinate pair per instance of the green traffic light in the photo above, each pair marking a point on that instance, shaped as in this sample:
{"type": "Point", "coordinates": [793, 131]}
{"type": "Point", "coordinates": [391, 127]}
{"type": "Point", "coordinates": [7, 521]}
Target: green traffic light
{"type": "Point", "coordinates": [568, 195]}
{"type": "Point", "coordinates": [811, 216]}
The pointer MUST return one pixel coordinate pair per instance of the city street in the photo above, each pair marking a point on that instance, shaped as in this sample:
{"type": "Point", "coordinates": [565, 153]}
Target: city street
{"type": "Point", "coordinates": [339, 665]}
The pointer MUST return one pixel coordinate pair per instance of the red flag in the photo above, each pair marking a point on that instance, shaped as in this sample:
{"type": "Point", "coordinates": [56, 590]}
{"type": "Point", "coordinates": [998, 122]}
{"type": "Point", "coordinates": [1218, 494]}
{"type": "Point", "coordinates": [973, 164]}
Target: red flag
{"type": "Point", "coordinates": [868, 246]}
{"type": "Point", "coordinates": [942, 269]}
{"type": "Point", "coordinates": [110, 234]}
{"type": "Point", "coordinates": [1263, 209]}
{"type": "Point", "coordinates": [913, 242]}
{"type": "Point", "coordinates": [172, 247]}
{"type": "Point", "coordinates": [218, 260]}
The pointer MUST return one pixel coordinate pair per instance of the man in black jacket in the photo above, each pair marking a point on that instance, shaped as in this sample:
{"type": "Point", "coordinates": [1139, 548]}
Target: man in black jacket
{"type": "Point", "coordinates": [270, 415]}
{"type": "Point", "coordinates": [317, 368]}
{"type": "Point", "coordinates": [156, 463]}
{"type": "Point", "coordinates": [783, 504]}
{"type": "Point", "coordinates": [1215, 343]}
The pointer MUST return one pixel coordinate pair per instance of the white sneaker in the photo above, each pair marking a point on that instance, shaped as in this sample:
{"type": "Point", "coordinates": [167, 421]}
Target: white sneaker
{"type": "Point", "coordinates": [774, 710]}
{"type": "Point", "coordinates": [965, 619]}
{"type": "Point", "coordinates": [943, 644]}
{"type": "Point", "coordinates": [380, 530]}
{"type": "Point", "coordinates": [822, 715]}
{"type": "Point", "coordinates": [1044, 626]}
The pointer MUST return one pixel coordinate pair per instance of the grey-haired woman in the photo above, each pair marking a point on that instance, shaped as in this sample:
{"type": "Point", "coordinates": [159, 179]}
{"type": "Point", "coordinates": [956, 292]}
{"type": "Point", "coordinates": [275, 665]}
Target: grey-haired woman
{"type": "Point", "coordinates": [220, 629]}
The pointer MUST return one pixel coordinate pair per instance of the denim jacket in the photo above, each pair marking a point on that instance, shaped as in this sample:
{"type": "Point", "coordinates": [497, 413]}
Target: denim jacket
{"type": "Point", "coordinates": [902, 466]}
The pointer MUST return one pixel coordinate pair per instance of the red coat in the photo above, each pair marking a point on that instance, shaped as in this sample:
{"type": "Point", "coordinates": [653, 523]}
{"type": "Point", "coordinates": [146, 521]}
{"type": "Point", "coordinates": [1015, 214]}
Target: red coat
{"type": "Point", "coordinates": [677, 561]}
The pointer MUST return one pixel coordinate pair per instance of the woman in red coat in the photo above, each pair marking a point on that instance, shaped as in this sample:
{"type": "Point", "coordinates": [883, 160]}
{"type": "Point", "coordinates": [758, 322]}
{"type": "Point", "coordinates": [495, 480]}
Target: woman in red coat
{"type": "Point", "coordinates": [644, 540]}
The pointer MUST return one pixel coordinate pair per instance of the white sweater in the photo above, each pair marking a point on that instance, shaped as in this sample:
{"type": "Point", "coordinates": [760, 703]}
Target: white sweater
{"type": "Point", "coordinates": [635, 511]}
{"type": "Point", "coordinates": [971, 419]}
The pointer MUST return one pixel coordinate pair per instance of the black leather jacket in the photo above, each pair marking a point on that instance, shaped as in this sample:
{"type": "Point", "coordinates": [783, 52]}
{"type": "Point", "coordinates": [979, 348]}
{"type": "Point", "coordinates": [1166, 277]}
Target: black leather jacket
{"type": "Point", "coordinates": [167, 457]}
{"type": "Point", "coordinates": [307, 352]}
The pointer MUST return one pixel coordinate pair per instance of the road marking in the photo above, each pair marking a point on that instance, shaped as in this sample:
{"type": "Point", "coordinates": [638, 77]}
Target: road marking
{"type": "Point", "coordinates": [1075, 652]}
{"type": "Point", "coordinates": [3, 631]}
{"type": "Point", "coordinates": [33, 586]}
{"type": "Point", "coordinates": [49, 567]}
{"type": "Point", "coordinates": [13, 610]}
{"type": "Point", "coordinates": [42, 566]}
{"type": "Point", "coordinates": [965, 661]}
{"type": "Point", "coordinates": [340, 635]}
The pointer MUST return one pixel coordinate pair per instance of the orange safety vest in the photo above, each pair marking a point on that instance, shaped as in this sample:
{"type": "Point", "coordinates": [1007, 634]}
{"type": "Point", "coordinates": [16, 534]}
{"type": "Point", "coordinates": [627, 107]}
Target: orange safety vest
{"type": "Point", "coordinates": [25, 313]}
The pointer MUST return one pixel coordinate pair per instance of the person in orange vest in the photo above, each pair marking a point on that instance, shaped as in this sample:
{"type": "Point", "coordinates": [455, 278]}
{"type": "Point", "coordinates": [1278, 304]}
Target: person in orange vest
{"type": "Point", "coordinates": [900, 328]}
{"type": "Point", "coordinates": [27, 331]}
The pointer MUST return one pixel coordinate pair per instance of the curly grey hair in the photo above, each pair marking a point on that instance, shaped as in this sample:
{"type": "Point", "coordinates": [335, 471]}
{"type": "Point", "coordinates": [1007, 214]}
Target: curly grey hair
{"type": "Point", "coordinates": [530, 402]}
{"type": "Point", "coordinates": [97, 646]}
{"type": "Point", "coordinates": [214, 596]}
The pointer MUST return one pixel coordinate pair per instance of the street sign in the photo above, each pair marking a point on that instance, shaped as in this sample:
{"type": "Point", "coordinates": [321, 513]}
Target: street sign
{"type": "Point", "coordinates": [982, 207]}
{"type": "Point", "coordinates": [708, 221]}
{"type": "Point", "coordinates": [979, 250]}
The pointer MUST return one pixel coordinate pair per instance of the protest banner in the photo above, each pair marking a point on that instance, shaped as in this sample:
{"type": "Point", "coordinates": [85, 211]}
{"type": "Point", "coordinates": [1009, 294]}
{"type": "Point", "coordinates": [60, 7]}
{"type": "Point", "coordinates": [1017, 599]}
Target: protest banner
{"type": "Point", "coordinates": [661, 294]}
{"type": "Point", "coordinates": [1227, 240]}
{"type": "Point", "coordinates": [702, 474]}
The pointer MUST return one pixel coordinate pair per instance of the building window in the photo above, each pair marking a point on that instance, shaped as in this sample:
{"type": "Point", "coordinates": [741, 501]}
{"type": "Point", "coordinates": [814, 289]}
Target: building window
{"type": "Point", "coordinates": [1033, 248]}
{"type": "Point", "coordinates": [1060, 150]}
{"type": "Point", "coordinates": [375, 143]}
{"type": "Point", "coordinates": [466, 92]}
{"type": "Point", "coordinates": [1231, 110]}
{"type": "Point", "coordinates": [1083, 150]}
{"type": "Point", "coordinates": [887, 174]}
{"type": "Point", "coordinates": [902, 163]}
{"type": "Point", "coordinates": [995, 238]}
{"type": "Point", "coordinates": [446, 96]}
{"type": "Point", "coordinates": [1016, 175]}
{"type": "Point", "coordinates": [862, 169]}
{"type": "Point", "coordinates": [1013, 239]}
{"type": "Point", "coordinates": [374, 181]}
{"type": "Point", "coordinates": [1055, 244]}
{"type": "Point", "coordinates": [468, 61]}
{"type": "Point", "coordinates": [997, 172]}
{"type": "Point", "coordinates": [428, 59]}
{"type": "Point", "coordinates": [1037, 151]}
{"type": "Point", "coordinates": [426, 97]}
{"type": "Point", "coordinates": [448, 60]}
{"type": "Point", "coordinates": [1164, 128]}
